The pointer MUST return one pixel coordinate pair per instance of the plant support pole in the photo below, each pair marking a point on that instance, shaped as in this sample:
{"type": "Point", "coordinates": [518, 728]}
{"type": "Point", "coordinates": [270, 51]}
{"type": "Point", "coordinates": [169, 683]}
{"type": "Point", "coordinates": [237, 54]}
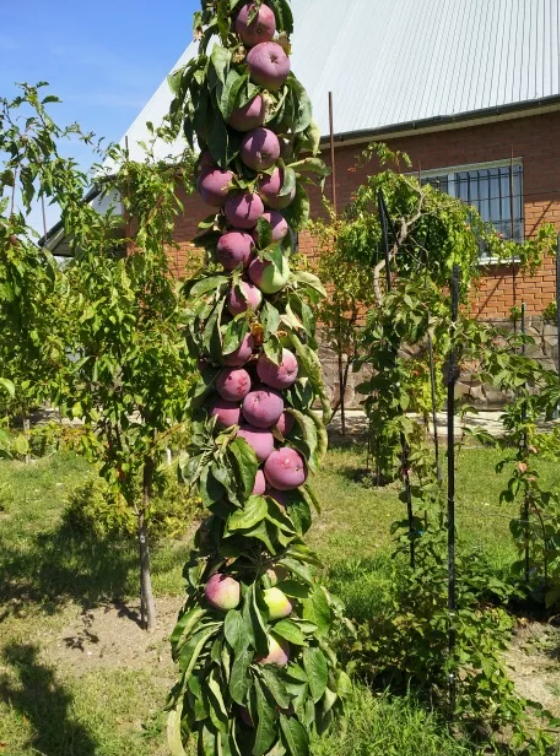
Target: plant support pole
{"type": "Point", "coordinates": [558, 301]}
{"type": "Point", "coordinates": [434, 408]}
{"type": "Point", "coordinates": [526, 509]}
{"type": "Point", "coordinates": [451, 378]}
{"type": "Point", "coordinates": [385, 221]}
{"type": "Point", "coordinates": [341, 377]}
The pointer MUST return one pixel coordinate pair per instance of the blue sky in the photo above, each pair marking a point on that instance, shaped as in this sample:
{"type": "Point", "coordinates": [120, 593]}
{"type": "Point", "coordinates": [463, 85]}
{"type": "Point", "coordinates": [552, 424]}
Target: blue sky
{"type": "Point", "coordinates": [103, 59]}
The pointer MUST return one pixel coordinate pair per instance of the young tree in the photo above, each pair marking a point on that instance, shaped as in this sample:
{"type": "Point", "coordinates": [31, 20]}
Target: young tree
{"type": "Point", "coordinates": [252, 642]}
{"type": "Point", "coordinates": [120, 365]}
{"type": "Point", "coordinates": [30, 350]}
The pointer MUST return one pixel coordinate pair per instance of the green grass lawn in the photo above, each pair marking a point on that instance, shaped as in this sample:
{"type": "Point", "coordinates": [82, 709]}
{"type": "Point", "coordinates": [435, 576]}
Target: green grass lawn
{"type": "Point", "coordinates": [51, 579]}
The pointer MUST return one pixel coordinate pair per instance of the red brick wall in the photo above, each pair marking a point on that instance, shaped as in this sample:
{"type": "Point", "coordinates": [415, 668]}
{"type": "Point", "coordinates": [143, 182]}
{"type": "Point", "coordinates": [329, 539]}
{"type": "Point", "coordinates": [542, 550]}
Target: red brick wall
{"type": "Point", "coordinates": [535, 139]}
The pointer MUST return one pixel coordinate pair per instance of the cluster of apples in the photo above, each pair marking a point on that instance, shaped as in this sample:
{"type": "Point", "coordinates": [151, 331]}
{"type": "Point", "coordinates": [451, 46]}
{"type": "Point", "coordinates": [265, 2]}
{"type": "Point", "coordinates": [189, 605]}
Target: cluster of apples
{"type": "Point", "coordinates": [251, 387]}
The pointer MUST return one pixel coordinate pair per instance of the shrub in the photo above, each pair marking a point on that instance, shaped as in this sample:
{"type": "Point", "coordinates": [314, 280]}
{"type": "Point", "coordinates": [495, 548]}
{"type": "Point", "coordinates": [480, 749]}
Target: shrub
{"type": "Point", "coordinates": [95, 510]}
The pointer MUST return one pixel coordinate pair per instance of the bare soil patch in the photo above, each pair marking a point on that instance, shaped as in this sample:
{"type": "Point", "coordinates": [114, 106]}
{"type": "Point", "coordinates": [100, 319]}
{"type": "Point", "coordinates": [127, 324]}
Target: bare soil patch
{"type": "Point", "coordinates": [110, 636]}
{"type": "Point", "coordinates": [533, 664]}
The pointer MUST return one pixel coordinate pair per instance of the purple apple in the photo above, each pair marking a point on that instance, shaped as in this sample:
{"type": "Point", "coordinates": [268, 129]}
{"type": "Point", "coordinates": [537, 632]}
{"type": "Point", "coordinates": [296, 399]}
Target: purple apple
{"type": "Point", "coordinates": [235, 248]}
{"type": "Point", "coordinates": [249, 116]}
{"type": "Point", "coordinates": [245, 296]}
{"type": "Point", "coordinates": [270, 187]}
{"type": "Point", "coordinates": [285, 469]}
{"type": "Point", "coordinates": [269, 278]}
{"type": "Point", "coordinates": [285, 423]}
{"type": "Point", "coordinates": [233, 384]}
{"type": "Point", "coordinates": [242, 354]}
{"type": "Point", "coordinates": [278, 652]}
{"type": "Point", "coordinates": [278, 224]}
{"type": "Point", "coordinates": [262, 441]}
{"type": "Point", "coordinates": [243, 210]}
{"type": "Point", "coordinates": [228, 413]}
{"type": "Point", "coordinates": [279, 605]}
{"type": "Point", "coordinates": [261, 29]}
{"type": "Point", "coordinates": [260, 149]}
{"type": "Point", "coordinates": [223, 592]}
{"type": "Point", "coordinates": [214, 185]}
{"type": "Point", "coordinates": [269, 65]}
{"type": "Point", "coordinates": [263, 408]}
{"type": "Point", "coordinates": [280, 376]}
{"type": "Point", "coordinates": [260, 484]}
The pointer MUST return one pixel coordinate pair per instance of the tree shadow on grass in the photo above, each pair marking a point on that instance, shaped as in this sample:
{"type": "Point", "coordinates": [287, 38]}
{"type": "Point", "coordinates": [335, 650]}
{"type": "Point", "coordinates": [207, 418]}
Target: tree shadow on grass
{"type": "Point", "coordinates": [30, 688]}
{"type": "Point", "coordinates": [62, 565]}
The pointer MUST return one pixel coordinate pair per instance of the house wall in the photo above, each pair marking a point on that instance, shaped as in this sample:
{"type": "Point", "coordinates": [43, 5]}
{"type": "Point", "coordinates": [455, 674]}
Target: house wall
{"type": "Point", "coordinates": [534, 139]}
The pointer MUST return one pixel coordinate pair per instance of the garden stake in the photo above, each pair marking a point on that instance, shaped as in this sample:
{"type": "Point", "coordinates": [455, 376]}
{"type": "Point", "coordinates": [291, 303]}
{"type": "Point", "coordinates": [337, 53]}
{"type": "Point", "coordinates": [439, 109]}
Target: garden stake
{"type": "Point", "coordinates": [434, 408]}
{"type": "Point", "coordinates": [512, 229]}
{"type": "Point", "coordinates": [558, 300]}
{"type": "Point", "coordinates": [526, 509]}
{"type": "Point", "coordinates": [451, 379]}
{"type": "Point", "coordinates": [253, 605]}
{"type": "Point", "coordinates": [385, 222]}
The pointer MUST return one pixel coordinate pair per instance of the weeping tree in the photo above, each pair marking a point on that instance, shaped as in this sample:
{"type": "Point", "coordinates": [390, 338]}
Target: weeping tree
{"type": "Point", "coordinates": [257, 673]}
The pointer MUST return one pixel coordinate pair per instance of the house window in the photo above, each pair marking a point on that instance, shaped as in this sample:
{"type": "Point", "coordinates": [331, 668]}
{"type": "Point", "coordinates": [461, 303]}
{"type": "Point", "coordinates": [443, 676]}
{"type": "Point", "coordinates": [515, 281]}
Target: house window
{"type": "Point", "coordinates": [488, 188]}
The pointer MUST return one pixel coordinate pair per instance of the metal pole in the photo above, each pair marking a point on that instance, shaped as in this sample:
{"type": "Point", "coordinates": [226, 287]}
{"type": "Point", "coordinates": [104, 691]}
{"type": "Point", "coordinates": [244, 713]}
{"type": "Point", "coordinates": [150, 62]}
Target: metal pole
{"type": "Point", "coordinates": [333, 161]}
{"type": "Point", "coordinates": [513, 269]}
{"type": "Point", "coordinates": [385, 222]}
{"type": "Point", "coordinates": [558, 300]}
{"type": "Point", "coordinates": [525, 455]}
{"type": "Point", "coordinates": [434, 407]}
{"type": "Point", "coordinates": [342, 387]}
{"type": "Point", "coordinates": [451, 379]}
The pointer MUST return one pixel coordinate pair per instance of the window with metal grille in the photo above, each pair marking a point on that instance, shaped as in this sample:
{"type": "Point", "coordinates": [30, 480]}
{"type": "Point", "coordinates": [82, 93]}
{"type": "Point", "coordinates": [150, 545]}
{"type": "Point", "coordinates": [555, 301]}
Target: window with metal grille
{"type": "Point", "coordinates": [494, 189]}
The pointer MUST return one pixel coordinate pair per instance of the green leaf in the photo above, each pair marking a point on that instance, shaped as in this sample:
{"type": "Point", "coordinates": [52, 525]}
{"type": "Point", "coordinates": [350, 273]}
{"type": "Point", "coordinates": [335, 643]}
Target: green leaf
{"type": "Point", "coordinates": [297, 213]}
{"type": "Point", "coordinates": [233, 630]}
{"type": "Point", "coordinates": [186, 625]}
{"type": "Point", "coordinates": [230, 92]}
{"type": "Point", "coordinates": [203, 286]}
{"type": "Point", "coordinates": [273, 349]}
{"type": "Point", "coordinates": [291, 632]}
{"type": "Point", "coordinates": [275, 686]}
{"type": "Point", "coordinates": [234, 335]}
{"type": "Point", "coordinates": [309, 433]}
{"type": "Point", "coordinates": [8, 386]}
{"type": "Point", "coordinates": [316, 609]}
{"type": "Point", "coordinates": [311, 165]}
{"type": "Point", "coordinates": [240, 681]}
{"type": "Point", "coordinates": [254, 512]}
{"type": "Point", "coordinates": [317, 671]}
{"type": "Point", "coordinates": [284, 16]}
{"type": "Point", "coordinates": [312, 367]}
{"type": "Point", "coordinates": [174, 736]}
{"type": "Point", "coordinates": [264, 233]}
{"type": "Point", "coordinates": [193, 649]}
{"type": "Point", "coordinates": [221, 60]}
{"type": "Point", "coordinates": [270, 319]}
{"type": "Point", "coordinates": [289, 183]}
{"type": "Point", "coordinates": [266, 727]}
{"type": "Point", "coordinates": [308, 279]}
{"type": "Point", "coordinates": [246, 464]}
{"type": "Point", "coordinates": [295, 736]}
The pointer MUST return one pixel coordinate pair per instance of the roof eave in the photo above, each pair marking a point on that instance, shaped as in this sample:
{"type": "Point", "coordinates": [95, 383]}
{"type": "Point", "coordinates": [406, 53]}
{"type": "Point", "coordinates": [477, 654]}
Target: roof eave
{"type": "Point", "coordinates": [458, 120]}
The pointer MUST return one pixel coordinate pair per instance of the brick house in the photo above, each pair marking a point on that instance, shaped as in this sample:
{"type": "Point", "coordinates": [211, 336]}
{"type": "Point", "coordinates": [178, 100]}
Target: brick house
{"type": "Point", "coordinates": [470, 90]}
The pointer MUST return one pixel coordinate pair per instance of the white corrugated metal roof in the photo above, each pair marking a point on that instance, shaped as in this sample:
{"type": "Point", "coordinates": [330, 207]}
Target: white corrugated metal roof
{"type": "Point", "coordinates": [391, 62]}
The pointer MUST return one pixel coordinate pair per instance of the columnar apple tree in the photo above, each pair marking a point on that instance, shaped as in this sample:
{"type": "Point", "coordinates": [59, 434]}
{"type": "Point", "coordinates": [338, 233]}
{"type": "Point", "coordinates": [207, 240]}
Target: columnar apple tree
{"type": "Point", "coordinates": [257, 674]}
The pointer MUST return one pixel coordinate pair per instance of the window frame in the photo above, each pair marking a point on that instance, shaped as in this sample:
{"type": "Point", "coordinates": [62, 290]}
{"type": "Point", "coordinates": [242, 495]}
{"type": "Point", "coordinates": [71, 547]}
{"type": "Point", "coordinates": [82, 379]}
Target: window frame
{"type": "Point", "coordinates": [450, 172]}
